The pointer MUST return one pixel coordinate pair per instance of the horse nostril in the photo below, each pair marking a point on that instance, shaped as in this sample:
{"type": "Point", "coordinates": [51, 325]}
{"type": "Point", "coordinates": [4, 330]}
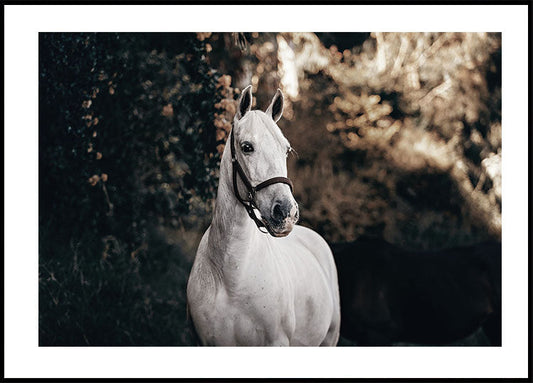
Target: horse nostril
{"type": "Point", "coordinates": [277, 212]}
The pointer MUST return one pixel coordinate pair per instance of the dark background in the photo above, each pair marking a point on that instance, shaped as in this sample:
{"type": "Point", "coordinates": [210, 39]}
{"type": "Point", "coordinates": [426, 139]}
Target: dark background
{"type": "Point", "coordinates": [398, 136]}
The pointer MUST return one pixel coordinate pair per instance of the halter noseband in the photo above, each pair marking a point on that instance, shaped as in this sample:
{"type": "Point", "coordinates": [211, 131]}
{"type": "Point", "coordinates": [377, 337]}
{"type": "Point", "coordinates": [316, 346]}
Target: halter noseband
{"type": "Point", "coordinates": [249, 204]}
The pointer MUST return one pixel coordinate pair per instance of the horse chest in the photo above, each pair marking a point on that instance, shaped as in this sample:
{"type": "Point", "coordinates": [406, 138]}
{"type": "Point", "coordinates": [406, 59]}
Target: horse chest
{"type": "Point", "coordinates": [253, 315]}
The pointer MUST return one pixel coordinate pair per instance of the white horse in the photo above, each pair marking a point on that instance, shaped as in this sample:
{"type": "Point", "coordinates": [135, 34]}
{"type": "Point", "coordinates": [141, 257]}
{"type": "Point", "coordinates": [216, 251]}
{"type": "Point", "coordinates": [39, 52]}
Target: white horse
{"type": "Point", "coordinates": [248, 288]}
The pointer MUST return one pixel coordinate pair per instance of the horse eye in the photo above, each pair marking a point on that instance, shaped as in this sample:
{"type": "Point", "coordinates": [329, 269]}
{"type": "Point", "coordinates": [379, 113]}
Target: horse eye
{"type": "Point", "coordinates": [247, 147]}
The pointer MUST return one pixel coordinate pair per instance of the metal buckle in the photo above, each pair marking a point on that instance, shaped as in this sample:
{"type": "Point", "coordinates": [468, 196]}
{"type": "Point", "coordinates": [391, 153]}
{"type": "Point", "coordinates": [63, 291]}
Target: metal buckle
{"type": "Point", "coordinates": [251, 195]}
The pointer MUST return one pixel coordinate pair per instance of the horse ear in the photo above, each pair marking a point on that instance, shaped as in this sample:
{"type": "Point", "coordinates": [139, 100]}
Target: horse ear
{"type": "Point", "coordinates": [245, 102]}
{"type": "Point", "coordinates": [276, 106]}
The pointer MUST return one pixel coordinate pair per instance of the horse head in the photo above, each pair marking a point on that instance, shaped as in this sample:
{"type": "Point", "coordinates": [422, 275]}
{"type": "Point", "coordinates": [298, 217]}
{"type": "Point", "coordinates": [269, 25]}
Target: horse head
{"type": "Point", "coordinates": [259, 155]}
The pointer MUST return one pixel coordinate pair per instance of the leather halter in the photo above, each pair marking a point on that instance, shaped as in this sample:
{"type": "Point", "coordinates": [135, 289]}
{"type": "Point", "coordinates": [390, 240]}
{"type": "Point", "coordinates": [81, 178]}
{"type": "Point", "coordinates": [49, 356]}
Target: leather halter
{"type": "Point", "coordinates": [249, 203]}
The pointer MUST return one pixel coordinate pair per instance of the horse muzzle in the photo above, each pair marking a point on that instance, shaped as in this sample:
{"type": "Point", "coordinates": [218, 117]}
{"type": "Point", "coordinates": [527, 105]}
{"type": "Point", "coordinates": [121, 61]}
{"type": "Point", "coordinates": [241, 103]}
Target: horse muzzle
{"type": "Point", "coordinates": [283, 216]}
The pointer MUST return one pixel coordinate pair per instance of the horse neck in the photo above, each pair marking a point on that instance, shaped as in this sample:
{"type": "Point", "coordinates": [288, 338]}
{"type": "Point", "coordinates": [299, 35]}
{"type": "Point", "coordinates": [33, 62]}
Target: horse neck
{"type": "Point", "coordinates": [232, 233]}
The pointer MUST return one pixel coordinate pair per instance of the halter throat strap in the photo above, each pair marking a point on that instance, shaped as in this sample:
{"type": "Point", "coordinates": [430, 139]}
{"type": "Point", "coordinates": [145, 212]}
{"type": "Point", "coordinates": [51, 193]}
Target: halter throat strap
{"type": "Point", "coordinates": [249, 202]}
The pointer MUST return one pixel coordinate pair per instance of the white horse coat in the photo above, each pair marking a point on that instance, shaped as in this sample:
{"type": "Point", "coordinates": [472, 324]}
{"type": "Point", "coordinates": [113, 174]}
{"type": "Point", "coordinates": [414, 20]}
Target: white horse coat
{"type": "Point", "coordinates": [250, 288]}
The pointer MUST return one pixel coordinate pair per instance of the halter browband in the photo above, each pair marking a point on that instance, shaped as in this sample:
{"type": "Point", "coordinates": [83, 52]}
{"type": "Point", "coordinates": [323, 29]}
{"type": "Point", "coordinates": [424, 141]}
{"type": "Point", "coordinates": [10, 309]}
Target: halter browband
{"type": "Point", "coordinates": [249, 204]}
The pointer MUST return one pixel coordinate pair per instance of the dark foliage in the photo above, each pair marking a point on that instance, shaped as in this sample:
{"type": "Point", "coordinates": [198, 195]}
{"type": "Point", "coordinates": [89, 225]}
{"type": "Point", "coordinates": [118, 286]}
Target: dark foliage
{"type": "Point", "coordinates": [126, 143]}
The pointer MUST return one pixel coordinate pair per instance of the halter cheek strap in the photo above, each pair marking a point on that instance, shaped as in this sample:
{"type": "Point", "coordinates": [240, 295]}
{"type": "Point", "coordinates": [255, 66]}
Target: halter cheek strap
{"type": "Point", "coordinates": [249, 203]}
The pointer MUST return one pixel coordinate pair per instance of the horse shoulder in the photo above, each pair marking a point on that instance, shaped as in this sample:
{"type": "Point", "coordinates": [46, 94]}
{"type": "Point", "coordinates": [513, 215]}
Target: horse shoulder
{"type": "Point", "coordinates": [201, 286]}
{"type": "Point", "coordinates": [322, 298]}
{"type": "Point", "coordinates": [318, 246]}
